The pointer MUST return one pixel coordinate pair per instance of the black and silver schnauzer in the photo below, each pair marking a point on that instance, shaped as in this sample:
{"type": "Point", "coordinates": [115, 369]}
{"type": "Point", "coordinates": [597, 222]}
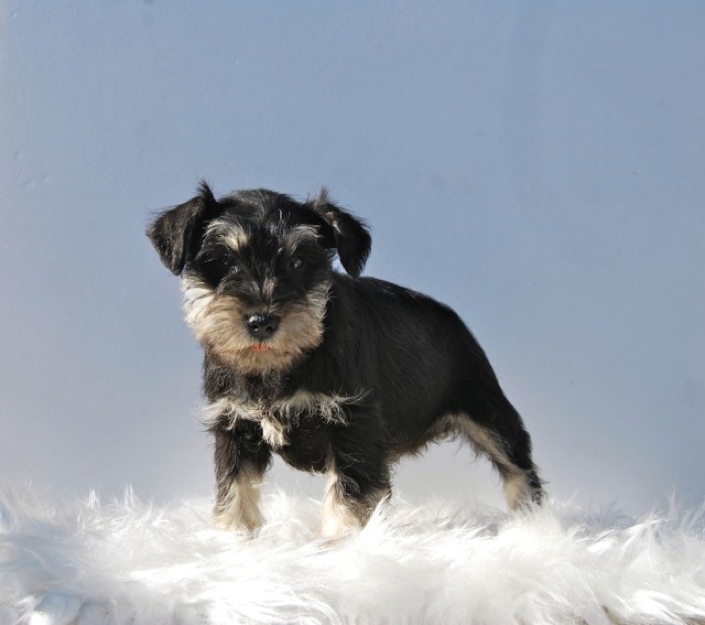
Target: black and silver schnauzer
{"type": "Point", "coordinates": [336, 373]}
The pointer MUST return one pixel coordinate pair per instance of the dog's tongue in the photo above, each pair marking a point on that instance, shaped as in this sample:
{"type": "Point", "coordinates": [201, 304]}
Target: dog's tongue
{"type": "Point", "coordinates": [259, 347]}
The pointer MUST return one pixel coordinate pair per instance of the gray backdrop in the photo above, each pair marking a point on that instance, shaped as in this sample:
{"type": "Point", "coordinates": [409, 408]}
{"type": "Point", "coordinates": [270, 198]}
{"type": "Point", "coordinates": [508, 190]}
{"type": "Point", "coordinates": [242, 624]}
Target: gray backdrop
{"type": "Point", "coordinates": [539, 166]}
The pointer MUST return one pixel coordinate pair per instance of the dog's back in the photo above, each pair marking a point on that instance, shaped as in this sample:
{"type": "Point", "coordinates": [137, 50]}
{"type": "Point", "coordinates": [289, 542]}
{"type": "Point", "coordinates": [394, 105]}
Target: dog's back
{"type": "Point", "coordinates": [404, 345]}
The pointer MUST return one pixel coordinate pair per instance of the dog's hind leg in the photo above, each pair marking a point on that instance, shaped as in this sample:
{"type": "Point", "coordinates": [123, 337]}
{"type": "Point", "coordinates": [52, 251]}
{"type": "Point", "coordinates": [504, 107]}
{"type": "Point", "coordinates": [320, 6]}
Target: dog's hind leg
{"type": "Point", "coordinates": [240, 463]}
{"type": "Point", "coordinates": [500, 434]}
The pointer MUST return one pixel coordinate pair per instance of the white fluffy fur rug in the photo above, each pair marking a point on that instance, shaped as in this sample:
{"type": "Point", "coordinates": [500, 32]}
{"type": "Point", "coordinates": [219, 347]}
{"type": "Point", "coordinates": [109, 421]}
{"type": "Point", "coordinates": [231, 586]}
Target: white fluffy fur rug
{"type": "Point", "coordinates": [85, 562]}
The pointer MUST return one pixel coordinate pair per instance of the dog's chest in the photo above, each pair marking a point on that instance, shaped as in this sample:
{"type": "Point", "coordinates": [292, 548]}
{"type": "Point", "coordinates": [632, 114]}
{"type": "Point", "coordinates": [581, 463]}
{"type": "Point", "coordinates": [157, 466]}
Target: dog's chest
{"type": "Point", "coordinates": [283, 421]}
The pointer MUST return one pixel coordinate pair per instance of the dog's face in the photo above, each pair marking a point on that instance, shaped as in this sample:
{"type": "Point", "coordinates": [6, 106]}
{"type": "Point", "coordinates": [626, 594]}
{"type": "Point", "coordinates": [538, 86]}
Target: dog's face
{"type": "Point", "coordinates": [256, 268]}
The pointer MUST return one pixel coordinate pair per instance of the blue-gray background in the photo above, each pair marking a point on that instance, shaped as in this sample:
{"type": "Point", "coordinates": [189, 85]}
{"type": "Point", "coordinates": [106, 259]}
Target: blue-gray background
{"type": "Point", "coordinates": [540, 166]}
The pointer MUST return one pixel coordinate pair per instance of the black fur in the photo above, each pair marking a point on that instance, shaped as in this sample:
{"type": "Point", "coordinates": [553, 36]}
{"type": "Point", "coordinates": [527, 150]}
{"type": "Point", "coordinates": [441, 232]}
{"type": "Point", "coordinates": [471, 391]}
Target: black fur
{"type": "Point", "coordinates": [357, 371]}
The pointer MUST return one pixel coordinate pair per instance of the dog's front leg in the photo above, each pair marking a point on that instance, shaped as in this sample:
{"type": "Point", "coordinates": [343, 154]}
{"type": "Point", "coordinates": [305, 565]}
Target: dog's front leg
{"type": "Point", "coordinates": [241, 458]}
{"type": "Point", "coordinates": [358, 468]}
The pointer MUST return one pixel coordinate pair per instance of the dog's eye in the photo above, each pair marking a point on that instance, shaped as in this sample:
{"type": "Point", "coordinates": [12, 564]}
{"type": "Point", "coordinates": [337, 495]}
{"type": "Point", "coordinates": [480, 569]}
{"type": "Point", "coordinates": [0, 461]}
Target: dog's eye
{"type": "Point", "coordinates": [215, 269]}
{"type": "Point", "coordinates": [296, 263]}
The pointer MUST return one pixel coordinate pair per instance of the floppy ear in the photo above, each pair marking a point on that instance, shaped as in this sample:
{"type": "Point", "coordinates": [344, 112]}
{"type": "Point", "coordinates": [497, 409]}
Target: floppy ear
{"type": "Point", "coordinates": [177, 233]}
{"type": "Point", "coordinates": [345, 233]}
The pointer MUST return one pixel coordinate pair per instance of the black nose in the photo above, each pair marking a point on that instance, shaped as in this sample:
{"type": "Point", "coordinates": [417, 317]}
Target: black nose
{"type": "Point", "coordinates": [262, 326]}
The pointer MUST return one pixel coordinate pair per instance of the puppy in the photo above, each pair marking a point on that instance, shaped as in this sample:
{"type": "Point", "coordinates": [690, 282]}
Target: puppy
{"type": "Point", "coordinates": [336, 373]}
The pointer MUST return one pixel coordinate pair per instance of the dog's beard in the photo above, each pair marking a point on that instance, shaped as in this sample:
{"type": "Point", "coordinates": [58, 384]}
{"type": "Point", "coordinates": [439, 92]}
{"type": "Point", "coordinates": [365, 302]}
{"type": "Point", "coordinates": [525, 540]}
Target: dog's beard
{"type": "Point", "coordinates": [218, 321]}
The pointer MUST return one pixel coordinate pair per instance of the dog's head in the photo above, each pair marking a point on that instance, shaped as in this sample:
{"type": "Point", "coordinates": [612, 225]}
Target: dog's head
{"type": "Point", "coordinates": [256, 268]}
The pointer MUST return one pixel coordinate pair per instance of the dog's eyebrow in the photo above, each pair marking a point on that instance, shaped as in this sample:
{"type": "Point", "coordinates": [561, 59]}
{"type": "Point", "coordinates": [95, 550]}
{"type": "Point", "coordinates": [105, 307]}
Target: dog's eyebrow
{"type": "Point", "coordinates": [302, 233]}
{"type": "Point", "coordinates": [229, 234]}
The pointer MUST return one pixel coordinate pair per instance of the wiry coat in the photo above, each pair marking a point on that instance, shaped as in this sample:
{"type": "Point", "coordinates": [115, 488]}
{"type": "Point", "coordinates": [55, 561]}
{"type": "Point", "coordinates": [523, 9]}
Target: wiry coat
{"type": "Point", "coordinates": [336, 373]}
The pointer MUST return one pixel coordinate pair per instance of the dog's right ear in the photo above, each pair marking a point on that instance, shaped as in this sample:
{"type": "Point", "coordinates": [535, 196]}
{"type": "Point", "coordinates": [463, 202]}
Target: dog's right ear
{"type": "Point", "coordinates": [176, 233]}
{"type": "Point", "coordinates": [349, 235]}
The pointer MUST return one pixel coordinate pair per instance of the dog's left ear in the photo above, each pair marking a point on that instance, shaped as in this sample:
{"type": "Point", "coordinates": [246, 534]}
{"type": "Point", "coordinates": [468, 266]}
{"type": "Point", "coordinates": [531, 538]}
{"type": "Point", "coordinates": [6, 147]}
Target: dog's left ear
{"type": "Point", "coordinates": [345, 233]}
{"type": "Point", "coordinates": [176, 233]}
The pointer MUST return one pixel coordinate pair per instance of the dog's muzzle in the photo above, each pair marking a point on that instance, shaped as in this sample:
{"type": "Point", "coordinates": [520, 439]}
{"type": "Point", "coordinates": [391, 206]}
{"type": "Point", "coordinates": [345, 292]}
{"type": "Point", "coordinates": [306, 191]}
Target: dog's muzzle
{"type": "Point", "coordinates": [262, 326]}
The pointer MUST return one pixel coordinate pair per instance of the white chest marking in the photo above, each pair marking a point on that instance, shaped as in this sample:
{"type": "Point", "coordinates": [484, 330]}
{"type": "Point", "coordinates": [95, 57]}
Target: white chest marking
{"type": "Point", "coordinates": [277, 417]}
